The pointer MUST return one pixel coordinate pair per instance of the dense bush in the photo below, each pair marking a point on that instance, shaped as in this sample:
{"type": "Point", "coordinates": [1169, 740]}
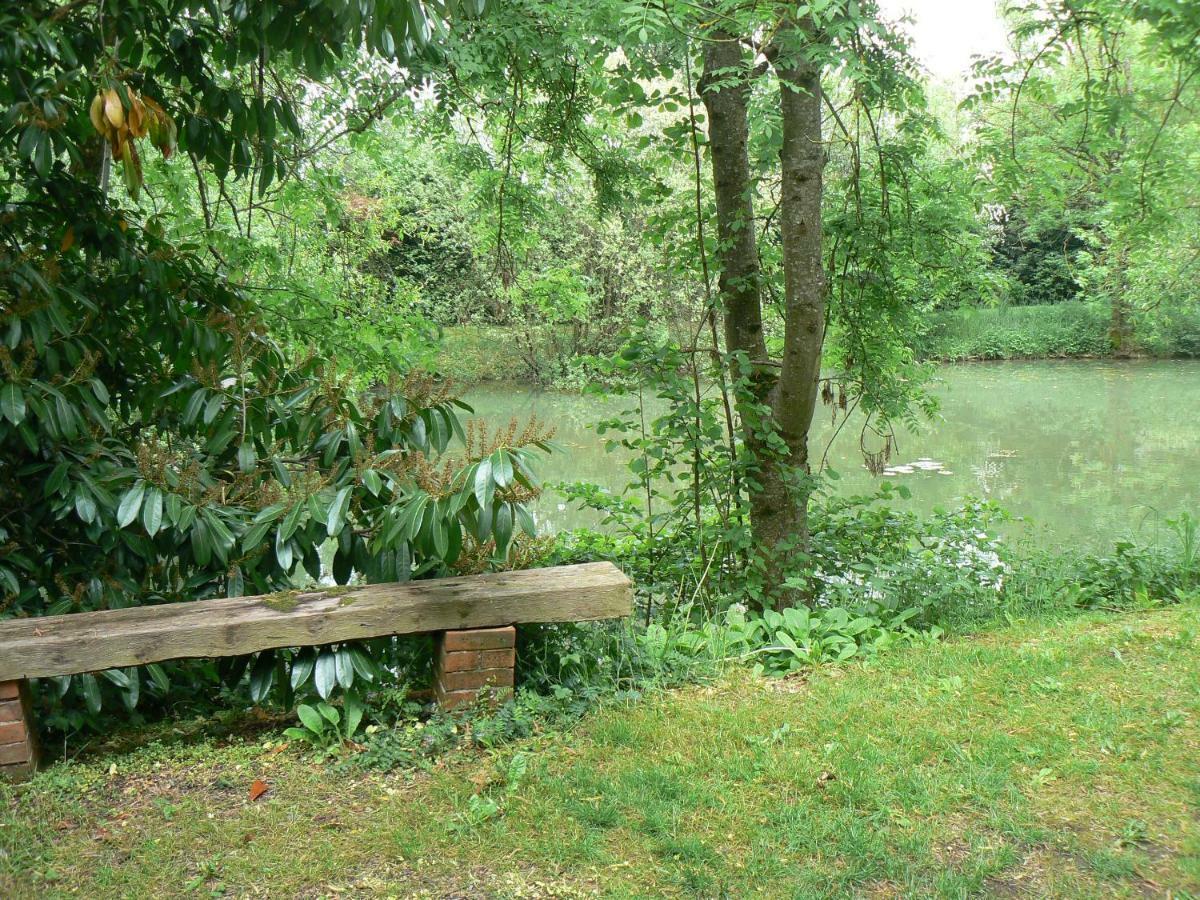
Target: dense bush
{"type": "Point", "coordinates": [1016, 332]}
{"type": "Point", "coordinates": [158, 443]}
{"type": "Point", "coordinates": [1063, 329]}
{"type": "Point", "coordinates": [1174, 332]}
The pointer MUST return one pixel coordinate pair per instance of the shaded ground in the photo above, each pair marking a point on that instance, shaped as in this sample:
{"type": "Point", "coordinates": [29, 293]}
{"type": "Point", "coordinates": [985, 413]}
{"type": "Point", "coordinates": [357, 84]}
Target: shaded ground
{"type": "Point", "coordinates": [1044, 760]}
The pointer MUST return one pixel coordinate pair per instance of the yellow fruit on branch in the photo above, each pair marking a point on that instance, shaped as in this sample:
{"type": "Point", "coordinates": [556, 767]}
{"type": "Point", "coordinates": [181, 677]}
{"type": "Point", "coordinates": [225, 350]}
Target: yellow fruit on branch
{"type": "Point", "coordinates": [137, 117]}
{"type": "Point", "coordinates": [114, 112]}
{"type": "Point", "coordinates": [121, 128]}
{"type": "Point", "coordinates": [96, 113]}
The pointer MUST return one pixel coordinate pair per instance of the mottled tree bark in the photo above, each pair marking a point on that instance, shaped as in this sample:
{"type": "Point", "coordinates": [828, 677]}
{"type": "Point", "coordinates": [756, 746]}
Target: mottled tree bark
{"type": "Point", "coordinates": [802, 163]}
{"type": "Point", "coordinates": [725, 89]}
{"type": "Point", "coordinates": [775, 400]}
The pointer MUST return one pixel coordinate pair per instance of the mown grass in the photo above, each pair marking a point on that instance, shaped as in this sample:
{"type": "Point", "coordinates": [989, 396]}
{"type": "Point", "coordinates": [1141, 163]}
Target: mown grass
{"type": "Point", "coordinates": [1041, 760]}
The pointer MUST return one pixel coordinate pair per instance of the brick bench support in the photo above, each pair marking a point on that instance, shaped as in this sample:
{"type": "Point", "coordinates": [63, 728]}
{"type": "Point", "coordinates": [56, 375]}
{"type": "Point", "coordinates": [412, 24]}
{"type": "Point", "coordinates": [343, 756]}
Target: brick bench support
{"type": "Point", "coordinates": [18, 738]}
{"type": "Point", "coordinates": [470, 660]}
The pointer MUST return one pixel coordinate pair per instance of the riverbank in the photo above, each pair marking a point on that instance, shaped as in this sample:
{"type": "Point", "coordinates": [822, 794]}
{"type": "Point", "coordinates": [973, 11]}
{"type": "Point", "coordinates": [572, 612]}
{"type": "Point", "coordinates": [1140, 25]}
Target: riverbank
{"type": "Point", "coordinates": [1064, 330]}
{"type": "Point", "coordinates": [489, 353]}
{"type": "Point", "coordinates": [1043, 759]}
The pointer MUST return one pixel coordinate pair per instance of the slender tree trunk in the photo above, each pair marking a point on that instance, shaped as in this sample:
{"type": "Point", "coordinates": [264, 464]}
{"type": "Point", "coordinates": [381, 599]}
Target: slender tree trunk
{"type": "Point", "coordinates": [725, 89]}
{"type": "Point", "coordinates": [802, 162]}
{"type": "Point", "coordinates": [1120, 332]}
{"type": "Point", "coordinates": [775, 401]}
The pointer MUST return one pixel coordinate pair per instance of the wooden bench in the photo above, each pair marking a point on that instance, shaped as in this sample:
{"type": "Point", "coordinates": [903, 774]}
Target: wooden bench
{"type": "Point", "coordinates": [472, 618]}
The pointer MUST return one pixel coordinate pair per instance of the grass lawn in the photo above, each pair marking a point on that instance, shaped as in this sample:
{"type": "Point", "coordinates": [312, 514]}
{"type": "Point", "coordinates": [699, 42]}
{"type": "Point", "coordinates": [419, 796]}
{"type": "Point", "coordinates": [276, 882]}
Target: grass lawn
{"type": "Point", "coordinates": [1056, 759]}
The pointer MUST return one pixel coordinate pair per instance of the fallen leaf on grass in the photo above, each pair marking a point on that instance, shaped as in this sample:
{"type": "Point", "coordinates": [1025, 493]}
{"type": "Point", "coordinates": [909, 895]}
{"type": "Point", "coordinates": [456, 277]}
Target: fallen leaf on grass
{"type": "Point", "coordinates": [257, 789]}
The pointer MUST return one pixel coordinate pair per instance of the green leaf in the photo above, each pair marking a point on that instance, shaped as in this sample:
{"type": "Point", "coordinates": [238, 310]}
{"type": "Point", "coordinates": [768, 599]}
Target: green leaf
{"type": "Point", "coordinates": [152, 511]}
{"type": "Point", "coordinates": [131, 504]}
{"type": "Point", "coordinates": [283, 552]}
{"type": "Point", "coordinates": [215, 402]}
{"type": "Point", "coordinates": [329, 712]}
{"type": "Point", "coordinates": [528, 525]}
{"type": "Point", "coordinates": [363, 664]}
{"type": "Point", "coordinates": [117, 677]}
{"type": "Point", "coordinates": [483, 483]}
{"type": "Point", "coordinates": [344, 667]}
{"type": "Point", "coordinates": [502, 529]}
{"type": "Point", "coordinates": [246, 457]}
{"type": "Point", "coordinates": [262, 676]}
{"type": "Point", "coordinates": [291, 523]}
{"type": "Point", "coordinates": [253, 536]}
{"type": "Point", "coordinates": [325, 673]}
{"type": "Point", "coordinates": [12, 403]}
{"type": "Point", "coordinates": [223, 539]}
{"type": "Point", "coordinates": [133, 693]}
{"type": "Point", "coordinates": [43, 154]}
{"type": "Point", "coordinates": [192, 410]}
{"type": "Point", "coordinates": [57, 480]}
{"type": "Point", "coordinates": [269, 513]}
{"type": "Point", "coordinates": [91, 692]}
{"type": "Point", "coordinates": [159, 677]}
{"type": "Point", "coordinates": [373, 482]}
{"type": "Point", "coordinates": [202, 547]}
{"type": "Point", "coordinates": [302, 669]}
{"type": "Point", "coordinates": [354, 713]}
{"type": "Point", "coordinates": [502, 468]}
{"type": "Point", "coordinates": [85, 506]}
{"type": "Point", "coordinates": [311, 718]}
{"type": "Point", "coordinates": [337, 511]}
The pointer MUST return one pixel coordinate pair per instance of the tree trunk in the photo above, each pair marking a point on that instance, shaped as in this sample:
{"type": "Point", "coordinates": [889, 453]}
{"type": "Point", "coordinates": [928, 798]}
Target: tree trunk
{"type": "Point", "coordinates": [802, 162]}
{"type": "Point", "coordinates": [775, 402]}
{"type": "Point", "coordinates": [1120, 331]}
{"type": "Point", "coordinates": [725, 89]}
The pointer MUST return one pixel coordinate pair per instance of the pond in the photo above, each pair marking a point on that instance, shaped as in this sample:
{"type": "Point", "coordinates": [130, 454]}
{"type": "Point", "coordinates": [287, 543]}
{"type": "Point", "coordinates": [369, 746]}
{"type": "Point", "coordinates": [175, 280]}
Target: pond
{"type": "Point", "coordinates": [1082, 450]}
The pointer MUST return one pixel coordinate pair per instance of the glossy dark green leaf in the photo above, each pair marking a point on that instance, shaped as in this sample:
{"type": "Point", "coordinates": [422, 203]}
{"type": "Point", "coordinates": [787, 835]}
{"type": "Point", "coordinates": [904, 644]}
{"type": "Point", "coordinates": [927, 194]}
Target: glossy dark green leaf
{"type": "Point", "coordinates": [325, 673]}
{"type": "Point", "coordinates": [337, 511]}
{"type": "Point", "coordinates": [344, 667]}
{"type": "Point", "coordinates": [262, 676]}
{"type": "Point", "coordinates": [152, 511]}
{"type": "Point", "coordinates": [131, 504]}
{"type": "Point", "coordinates": [12, 403]}
{"type": "Point", "coordinates": [302, 669]}
{"type": "Point", "coordinates": [91, 692]}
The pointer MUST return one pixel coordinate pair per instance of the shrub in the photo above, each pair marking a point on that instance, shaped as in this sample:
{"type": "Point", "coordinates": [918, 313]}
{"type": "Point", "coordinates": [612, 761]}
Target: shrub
{"type": "Point", "coordinates": [1013, 332]}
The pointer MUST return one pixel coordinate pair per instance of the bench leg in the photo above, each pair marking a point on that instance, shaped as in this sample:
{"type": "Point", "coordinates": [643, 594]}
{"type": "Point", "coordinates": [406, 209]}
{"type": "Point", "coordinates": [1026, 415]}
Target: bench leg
{"type": "Point", "coordinates": [470, 660]}
{"type": "Point", "coordinates": [18, 737]}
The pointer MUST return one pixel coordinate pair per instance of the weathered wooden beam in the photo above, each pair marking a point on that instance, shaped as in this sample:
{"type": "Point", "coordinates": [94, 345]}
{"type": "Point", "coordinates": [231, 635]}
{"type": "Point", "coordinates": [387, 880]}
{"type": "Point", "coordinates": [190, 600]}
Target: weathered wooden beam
{"type": "Point", "coordinates": [106, 639]}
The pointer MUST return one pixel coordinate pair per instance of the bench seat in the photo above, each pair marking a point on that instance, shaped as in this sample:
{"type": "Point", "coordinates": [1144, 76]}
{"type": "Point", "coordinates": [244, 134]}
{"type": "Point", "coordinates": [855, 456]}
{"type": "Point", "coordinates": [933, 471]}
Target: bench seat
{"type": "Point", "coordinates": [234, 626]}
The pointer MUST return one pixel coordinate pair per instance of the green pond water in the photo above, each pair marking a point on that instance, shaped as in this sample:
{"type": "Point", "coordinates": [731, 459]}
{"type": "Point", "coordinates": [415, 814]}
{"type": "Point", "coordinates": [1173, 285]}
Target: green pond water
{"type": "Point", "coordinates": [1082, 451]}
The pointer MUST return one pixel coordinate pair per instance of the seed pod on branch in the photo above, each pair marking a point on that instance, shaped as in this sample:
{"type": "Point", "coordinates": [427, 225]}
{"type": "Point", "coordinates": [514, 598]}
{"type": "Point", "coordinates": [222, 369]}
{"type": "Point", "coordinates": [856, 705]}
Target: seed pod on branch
{"type": "Point", "coordinates": [114, 112]}
{"type": "Point", "coordinates": [96, 114]}
{"type": "Point", "coordinates": [122, 128]}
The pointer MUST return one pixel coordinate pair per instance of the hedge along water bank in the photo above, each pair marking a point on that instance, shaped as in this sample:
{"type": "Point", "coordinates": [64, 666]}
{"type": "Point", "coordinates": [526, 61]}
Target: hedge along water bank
{"type": "Point", "coordinates": [1014, 332]}
{"type": "Point", "coordinates": [1058, 330]}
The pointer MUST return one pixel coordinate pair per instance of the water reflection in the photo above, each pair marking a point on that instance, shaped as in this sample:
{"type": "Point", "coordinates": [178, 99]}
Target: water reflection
{"type": "Point", "coordinates": [1086, 449]}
